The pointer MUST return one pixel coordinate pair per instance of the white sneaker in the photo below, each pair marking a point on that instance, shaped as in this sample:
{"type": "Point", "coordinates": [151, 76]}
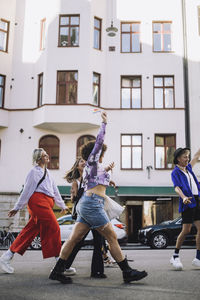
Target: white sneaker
{"type": "Point", "coordinates": [196, 262]}
{"type": "Point", "coordinates": [110, 263]}
{"type": "Point", "coordinates": [5, 264]}
{"type": "Point", "coordinates": [176, 263]}
{"type": "Point", "coordinates": [70, 271]}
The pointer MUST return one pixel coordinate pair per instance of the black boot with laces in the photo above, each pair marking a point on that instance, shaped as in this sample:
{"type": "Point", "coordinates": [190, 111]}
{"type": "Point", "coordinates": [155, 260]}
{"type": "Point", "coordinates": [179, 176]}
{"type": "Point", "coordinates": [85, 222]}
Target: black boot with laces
{"type": "Point", "coordinates": [57, 272]}
{"type": "Point", "coordinates": [130, 274]}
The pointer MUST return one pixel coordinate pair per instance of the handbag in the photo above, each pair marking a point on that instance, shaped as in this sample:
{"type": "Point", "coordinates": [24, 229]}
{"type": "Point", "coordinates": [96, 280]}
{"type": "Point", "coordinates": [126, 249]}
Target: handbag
{"type": "Point", "coordinates": [76, 200]}
{"type": "Point", "coordinates": [112, 208]}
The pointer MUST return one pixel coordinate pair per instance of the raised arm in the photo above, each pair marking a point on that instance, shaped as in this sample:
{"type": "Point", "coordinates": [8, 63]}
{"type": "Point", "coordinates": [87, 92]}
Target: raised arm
{"type": "Point", "coordinates": [195, 158]}
{"type": "Point", "coordinates": [96, 151]}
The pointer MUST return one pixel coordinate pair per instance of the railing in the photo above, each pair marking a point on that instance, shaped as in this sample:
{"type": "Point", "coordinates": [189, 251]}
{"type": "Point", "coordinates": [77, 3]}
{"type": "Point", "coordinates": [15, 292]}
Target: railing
{"type": "Point", "coordinates": [6, 237]}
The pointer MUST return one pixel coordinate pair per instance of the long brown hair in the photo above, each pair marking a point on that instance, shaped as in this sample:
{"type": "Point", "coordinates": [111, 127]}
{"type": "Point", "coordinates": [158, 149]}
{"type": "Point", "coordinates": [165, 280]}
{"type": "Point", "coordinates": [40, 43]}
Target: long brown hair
{"type": "Point", "coordinates": [73, 173]}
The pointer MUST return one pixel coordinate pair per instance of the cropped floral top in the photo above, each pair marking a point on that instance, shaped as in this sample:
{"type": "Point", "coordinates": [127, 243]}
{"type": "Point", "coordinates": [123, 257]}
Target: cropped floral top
{"type": "Point", "coordinates": [94, 174]}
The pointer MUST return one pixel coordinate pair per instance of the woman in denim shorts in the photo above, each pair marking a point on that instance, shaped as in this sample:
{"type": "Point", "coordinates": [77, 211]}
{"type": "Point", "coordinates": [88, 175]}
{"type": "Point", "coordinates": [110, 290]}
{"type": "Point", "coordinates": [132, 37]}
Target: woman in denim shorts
{"type": "Point", "coordinates": [75, 176]}
{"type": "Point", "coordinates": [91, 213]}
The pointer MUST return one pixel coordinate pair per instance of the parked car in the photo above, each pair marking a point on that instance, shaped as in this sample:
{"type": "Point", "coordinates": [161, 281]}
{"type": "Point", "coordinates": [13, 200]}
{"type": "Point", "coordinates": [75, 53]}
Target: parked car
{"type": "Point", "coordinates": [67, 224]}
{"type": "Point", "coordinates": [164, 234]}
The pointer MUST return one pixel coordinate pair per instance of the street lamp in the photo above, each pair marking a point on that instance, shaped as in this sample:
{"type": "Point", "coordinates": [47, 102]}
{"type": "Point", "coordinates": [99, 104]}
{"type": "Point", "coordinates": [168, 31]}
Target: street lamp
{"type": "Point", "coordinates": [111, 30]}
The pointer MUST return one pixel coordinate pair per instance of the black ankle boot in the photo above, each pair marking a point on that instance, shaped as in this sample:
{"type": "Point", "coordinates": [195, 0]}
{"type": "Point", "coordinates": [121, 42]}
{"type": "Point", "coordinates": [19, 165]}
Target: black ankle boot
{"type": "Point", "coordinates": [130, 274]}
{"type": "Point", "coordinates": [133, 275]}
{"type": "Point", "coordinates": [98, 275]}
{"type": "Point", "coordinates": [57, 272]}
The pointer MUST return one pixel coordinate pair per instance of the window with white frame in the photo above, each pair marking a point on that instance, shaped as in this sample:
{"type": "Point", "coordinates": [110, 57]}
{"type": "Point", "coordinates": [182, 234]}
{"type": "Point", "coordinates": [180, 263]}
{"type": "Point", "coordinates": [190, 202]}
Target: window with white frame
{"type": "Point", "coordinates": [130, 37]}
{"type": "Point", "coordinates": [131, 151]}
{"type": "Point", "coordinates": [162, 36]}
{"type": "Point", "coordinates": [164, 92]}
{"type": "Point", "coordinates": [131, 92]}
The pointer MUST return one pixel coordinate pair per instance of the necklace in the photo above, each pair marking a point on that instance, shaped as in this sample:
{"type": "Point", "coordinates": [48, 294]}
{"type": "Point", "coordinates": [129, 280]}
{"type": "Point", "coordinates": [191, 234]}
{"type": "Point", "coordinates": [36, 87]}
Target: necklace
{"type": "Point", "coordinates": [182, 168]}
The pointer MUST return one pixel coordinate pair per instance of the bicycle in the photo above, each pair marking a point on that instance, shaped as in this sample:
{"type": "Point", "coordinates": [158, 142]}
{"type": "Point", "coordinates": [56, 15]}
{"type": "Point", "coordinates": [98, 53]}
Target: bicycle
{"type": "Point", "coordinates": [6, 237]}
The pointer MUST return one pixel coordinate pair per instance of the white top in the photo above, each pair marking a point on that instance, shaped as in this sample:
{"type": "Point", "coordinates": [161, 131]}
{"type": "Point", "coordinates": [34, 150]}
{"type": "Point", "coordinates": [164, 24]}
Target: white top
{"type": "Point", "coordinates": [47, 187]}
{"type": "Point", "coordinates": [192, 183]}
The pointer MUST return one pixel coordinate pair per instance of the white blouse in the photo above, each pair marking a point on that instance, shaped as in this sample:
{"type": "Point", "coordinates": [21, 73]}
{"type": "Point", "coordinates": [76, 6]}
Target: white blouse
{"type": "Point", "coordinates": [192, 183]}
{"type": "Point", "coordinates": [47, 187]}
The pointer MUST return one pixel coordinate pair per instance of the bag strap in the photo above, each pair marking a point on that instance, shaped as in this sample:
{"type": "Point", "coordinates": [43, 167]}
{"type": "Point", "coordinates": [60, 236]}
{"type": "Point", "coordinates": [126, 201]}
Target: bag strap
{"type": "Point", "coordinates": [43, 177]}
{"type": "Point", "coordinates": [81, 182]}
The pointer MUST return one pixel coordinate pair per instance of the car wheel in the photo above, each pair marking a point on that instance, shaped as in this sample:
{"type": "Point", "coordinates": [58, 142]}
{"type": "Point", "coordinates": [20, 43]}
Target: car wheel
{"type": "Point", "coordinates": [36, 244]}
{"type": "Point", "coordinates": [159, 240]}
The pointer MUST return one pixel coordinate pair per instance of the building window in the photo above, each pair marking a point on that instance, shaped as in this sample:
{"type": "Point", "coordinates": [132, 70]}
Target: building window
{"type": "Point", "coordinates": [97, 33]}
{"type": "Point", "coordinates": [131, 151]}
{"type": "Point", "coordinates": [4, 35]}
{"type": "Point", "coordinates": [130, 37]}
{"type": "Point", "coordinates": [96, 89]}
{"type": "Point", "coordinates": [69, 30]}
{"type": "Point", "coordinates": [40, 89]}
{"type": "Point", "coordinates": [131, 92]}
{"type": "Point", "coordinates": [67, 84]}
{"type": "Point", "coordinates": [198, 12]}
{"type": "Point", "coordinates": [163, 92]}
{"type": "Point", "coordinates": [162, 36]}
{"type": "Point", "coordinates": [42, 33]}
{"type": "Point", "coordinates": [165, 145]}
{"type": "Point", "coordinates": [51, 144]}
{"type": "Point", "coordinates": [81, 141]}
{"type": "Point", "coordinates": [2, 89]}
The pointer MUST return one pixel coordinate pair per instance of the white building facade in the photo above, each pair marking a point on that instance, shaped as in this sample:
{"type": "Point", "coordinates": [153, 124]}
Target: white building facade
{"type": "Point", "coordinates": [58, 67]}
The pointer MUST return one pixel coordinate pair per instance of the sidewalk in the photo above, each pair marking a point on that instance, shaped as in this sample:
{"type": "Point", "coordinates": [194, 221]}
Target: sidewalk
{"type": "Point", "coordinates": [30, 280]}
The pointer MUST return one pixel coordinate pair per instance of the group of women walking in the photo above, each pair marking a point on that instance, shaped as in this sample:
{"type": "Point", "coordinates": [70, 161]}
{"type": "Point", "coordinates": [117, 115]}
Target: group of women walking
{"type": "Point", "coordinates": [89, 181]}
{"type": "Point", "coordinates": [40, 193]}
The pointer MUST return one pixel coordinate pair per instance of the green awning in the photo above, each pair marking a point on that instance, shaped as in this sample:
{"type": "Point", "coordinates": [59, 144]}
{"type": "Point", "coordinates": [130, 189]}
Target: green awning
{"type": "Point", "coordinates": [146, 191]}
{"type": "Point", "coordinates": [64, 190]}
{"type": "Point", "coordinates": [151, 191]}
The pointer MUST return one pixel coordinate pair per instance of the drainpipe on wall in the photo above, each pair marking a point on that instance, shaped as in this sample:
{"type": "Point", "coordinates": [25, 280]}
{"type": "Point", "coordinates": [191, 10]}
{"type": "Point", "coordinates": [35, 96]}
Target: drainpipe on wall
{"type": "Point", "coordinates": [185, 75]}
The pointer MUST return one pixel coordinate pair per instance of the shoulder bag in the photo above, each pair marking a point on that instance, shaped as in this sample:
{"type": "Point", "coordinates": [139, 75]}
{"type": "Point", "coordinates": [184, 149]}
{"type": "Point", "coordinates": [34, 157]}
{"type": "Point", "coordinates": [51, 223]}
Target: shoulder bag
{"type": "Point", "coordinates": [76, 200]}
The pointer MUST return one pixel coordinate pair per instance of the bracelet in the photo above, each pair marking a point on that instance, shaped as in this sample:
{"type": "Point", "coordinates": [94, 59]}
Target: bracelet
{"type": "Point", "coordinates": [184, 199]}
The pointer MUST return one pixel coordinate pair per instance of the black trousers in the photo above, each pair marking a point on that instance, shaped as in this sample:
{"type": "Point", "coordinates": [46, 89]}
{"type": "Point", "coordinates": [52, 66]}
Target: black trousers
{"type": "Point", "coordinates": [97, 265]}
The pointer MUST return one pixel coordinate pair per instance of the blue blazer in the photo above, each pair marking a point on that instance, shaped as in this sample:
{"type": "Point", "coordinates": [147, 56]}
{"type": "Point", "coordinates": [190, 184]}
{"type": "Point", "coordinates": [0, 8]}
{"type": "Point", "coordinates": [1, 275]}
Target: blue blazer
{"type": "Point", "coordinates": [179, 179]}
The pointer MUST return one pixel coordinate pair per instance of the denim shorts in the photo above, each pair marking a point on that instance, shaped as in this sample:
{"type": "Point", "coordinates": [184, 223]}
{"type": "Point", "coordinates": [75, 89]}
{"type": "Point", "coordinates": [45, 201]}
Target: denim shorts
{"type": "Point", "coordinates": [90, 210]}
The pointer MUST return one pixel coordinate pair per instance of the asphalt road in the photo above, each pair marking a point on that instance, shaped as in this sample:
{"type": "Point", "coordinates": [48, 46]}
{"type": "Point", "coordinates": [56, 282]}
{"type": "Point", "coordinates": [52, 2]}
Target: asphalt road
{"type": "Point", "coordinates": [30, 280]}
{"type": "Point", "coordinates": [127, 246]}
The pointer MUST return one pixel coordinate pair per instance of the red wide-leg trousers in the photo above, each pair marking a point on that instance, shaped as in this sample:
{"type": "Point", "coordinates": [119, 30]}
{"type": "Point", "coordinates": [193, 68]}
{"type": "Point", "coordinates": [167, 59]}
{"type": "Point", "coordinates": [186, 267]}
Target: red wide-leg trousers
{"type": "Point", "coordinates": [43, 222]}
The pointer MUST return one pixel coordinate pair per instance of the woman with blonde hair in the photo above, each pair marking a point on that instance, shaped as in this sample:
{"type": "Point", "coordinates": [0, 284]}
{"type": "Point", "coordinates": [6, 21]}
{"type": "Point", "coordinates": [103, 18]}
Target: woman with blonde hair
{"type": "Point", "coordinates": [39, 194]}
